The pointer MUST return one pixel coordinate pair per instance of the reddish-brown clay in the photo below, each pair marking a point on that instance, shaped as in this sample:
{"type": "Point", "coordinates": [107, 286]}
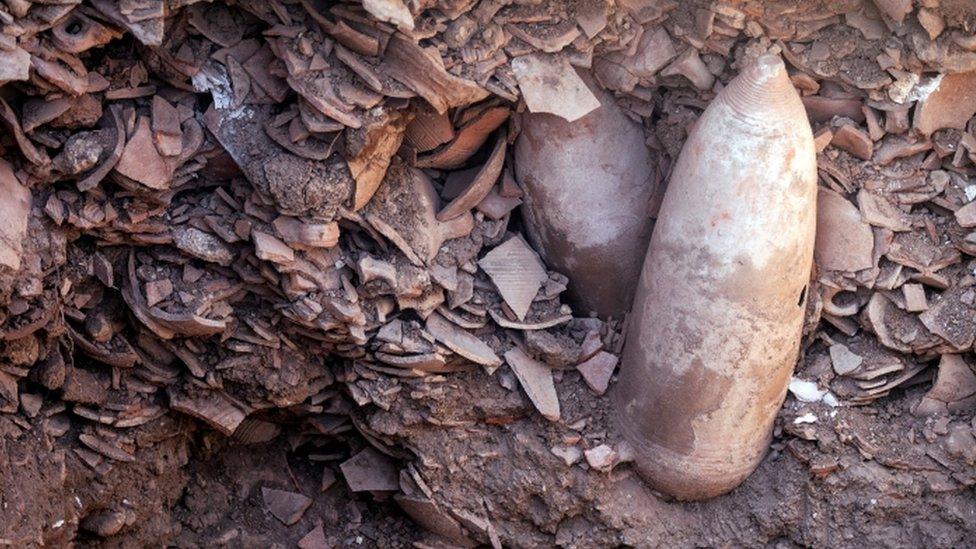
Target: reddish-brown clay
{"type": "Point", "coordinates": [588, 187]}
{"type": "Point", "coordinates": [719, 308]}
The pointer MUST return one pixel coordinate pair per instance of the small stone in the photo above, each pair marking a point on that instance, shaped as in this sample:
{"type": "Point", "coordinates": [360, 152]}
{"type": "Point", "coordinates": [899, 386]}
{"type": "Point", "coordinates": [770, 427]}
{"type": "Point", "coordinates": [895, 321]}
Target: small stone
{"type": "Point", "coordinates": [104, 523]}
{"type": "Point", "coordinates": [843, 359]}
{"type": "Point", "coordinates": [288, 507]}
{"type": "Point", "coordinates": [569, 454]}
{"type": "Point", "coordinates": [601, 458]}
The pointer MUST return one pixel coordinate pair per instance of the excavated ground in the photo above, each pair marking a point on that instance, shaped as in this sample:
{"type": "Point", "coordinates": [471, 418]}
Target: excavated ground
{"type": "Point", "coordinates": [230, 314]}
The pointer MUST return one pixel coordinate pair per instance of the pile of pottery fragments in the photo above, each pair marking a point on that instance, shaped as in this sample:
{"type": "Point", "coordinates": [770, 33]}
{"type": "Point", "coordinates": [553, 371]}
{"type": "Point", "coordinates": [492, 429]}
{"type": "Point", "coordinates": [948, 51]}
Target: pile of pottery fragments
{"type": "Point", "coordinates": [230, 209]}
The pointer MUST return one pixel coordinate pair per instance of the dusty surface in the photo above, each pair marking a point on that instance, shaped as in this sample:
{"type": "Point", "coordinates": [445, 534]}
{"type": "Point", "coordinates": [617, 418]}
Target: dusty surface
{"type": "Point", "coordinates": [234, 308]}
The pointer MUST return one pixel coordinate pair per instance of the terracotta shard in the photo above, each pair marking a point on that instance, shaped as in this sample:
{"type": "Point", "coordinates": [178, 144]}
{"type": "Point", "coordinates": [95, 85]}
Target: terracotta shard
{"type": "Point", "coordinates": [876, 210]}
{"type": "Point", "coordinates": [428, 130]}
{"type": "Point", "coordinates": [371, 471]}
{"type": "Point", "coordinates": [482, 184]}
{"type": "Point", "coordinates": [623, 71]}
{"type": "Point", "coordinates": [307, 235]}
{"type": "Point", "coordinates": [8, 119]}
{"type": "Point", "coordinates": [950, 105]}
{"type": "Point", "coordinates": [15, 207]}
{"type": "Point", "coordinates": [391, 11]}
{"type": "Point", "coordinates": [423, 72]}
{"type": "Point", "coordinates": [213, 408]}
{"type": "Point", "coordinates": [598, 370]}
{"type": "Point", "coordinates": [14, 65]}
{"type": "Point", "coordinates": [517, 272]}
{"type": "Point", "coordinates": [549, 84]}
{"type": "Point", "coordinates": [141, 161]}
{"type": "Point", "coordinates": [270, 248]}
{"type": "Point", "coordinates": [288, 507]}
{"type": "Point", "coordinates": [854, 141]}
{"type": "Point", "coordinates": [314, 539]}
{"type": "Point", "coordinates": [404, 210]}
{"type": "Point", "coordinates": [844, 242]}
{"type": "Point", "coordinates": [536, 380]}
{"type": "Point", "coordinates": [369, 158]}
{"type": "Point", "coordinates": [954, 388]}
{"type": "Point", "coordinates": [469, 139]}
{"type": "Point", "coordinates": [462, 342]}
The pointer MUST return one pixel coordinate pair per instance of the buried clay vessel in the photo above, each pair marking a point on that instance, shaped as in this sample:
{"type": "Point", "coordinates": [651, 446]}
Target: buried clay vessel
{"type": "Point", "coordinates": [589, 188]}
{"type": "Point", "coordinates": [719, 308]}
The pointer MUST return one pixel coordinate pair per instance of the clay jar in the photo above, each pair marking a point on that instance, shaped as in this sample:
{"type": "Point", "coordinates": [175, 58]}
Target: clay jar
{"type": "Point", "coordinates": [588, 186]}
{"type": "Point", "coordinates": [716, 323]}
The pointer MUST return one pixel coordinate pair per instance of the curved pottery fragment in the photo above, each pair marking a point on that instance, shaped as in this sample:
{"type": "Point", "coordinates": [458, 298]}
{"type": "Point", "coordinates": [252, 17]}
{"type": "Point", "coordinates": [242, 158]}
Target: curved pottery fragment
{"type": "Point", "coordinates": [719, 308]}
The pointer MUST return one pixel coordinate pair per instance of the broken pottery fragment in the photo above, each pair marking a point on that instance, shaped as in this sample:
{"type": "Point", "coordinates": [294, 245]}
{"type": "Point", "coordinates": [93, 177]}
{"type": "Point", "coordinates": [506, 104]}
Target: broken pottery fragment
{"type": "Point", "coordinates": [950, 105]}
{"type": "Point", "coordinates": [288, 507]}
{"type": "Point", "coordinates": [536, 379]}
{"type": "Point", "coordinates": [517, 273]}
{"type": "Point", "coordinates": [370, 471]}
{"type": "Point", "coordinates": [550, 85]}
{"type": "Point", "coordinates": [719, 309]}
{"type": "Point", "coordinates": [15, 207]}
{"type": "Point", "coordinates": [844, 241]}
{"type": "Point", "coordinates": [587, 206]}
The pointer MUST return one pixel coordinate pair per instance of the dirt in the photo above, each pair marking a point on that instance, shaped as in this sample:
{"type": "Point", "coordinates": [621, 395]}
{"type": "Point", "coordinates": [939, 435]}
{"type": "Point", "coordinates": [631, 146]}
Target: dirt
{"type": "Point", "coordinates": [162, 384]}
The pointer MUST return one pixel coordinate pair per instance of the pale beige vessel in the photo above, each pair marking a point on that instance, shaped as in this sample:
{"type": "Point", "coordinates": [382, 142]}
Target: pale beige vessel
{"type": "Point", "coordinates": [715, 327]}
{"type": "Point", "coordinates": [588, 200]}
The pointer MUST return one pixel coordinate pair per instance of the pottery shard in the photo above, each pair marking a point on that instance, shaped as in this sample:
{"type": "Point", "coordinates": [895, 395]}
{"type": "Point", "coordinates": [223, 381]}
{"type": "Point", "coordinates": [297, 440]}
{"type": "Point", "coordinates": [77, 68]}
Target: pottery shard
{"type": "Point", "coordinates": [843, 360]}
{"type": "Point", "coordinates": [404, 210]}
{"type": "Point", "coordinates": [462, 342]}
{"type": "Point", "coordinates": [369, 158]}
{"type": "Point", "coordinates": [214, 409]}
{"type": "Point", "coordinates": [288, 507]}
{"type": "Point", "coordinates": [876, 210]}
{"type": "Point", "coordinates": [270, 248]}
{"type": "Point", "coordinates": [371, 471]}
{"type": "Point", "coordinates": [597, 371]}
{"type": "Point", "coordinates": [314, 539]}
{"type": "Point", "coordinates": [517, 272]}
{"type": "Point", "coordinates": [391, 11]}
{"type": "Point", "coordinates": [202, 245]}
{"type": "Point", "coordinates": [14, 65]}
{"type": "Point", "coordinates": [423, 71]}
{"type": "Point", "coordinates": [966, 215]}
{"type": "Point", "coordinates": [955, 380]}
{"type": "Point", "coordinates": [854, 141]}
{"type": "Point", "coordinates": [950, 105]}
{"type": "Point", "coordinates": [623, 72]}
{"type": "Point", "coordinates": [895, 9]}
{"type": "Point", "coordinates": [141, 161]}
{"type": "Point", "coordinates": [480, 185]}
{"type": "Point", "coordinates": [307, 235]}
{"type": "Point", "coordinates": [549, 84]}
{"type": "Point", "coordinates": [15, 207]}
{"type": "Point", "coordinates": [536, 379]}
{"type": "Point", "coordinates": [844, 241]}
{"type": "Point", "coordinates": [915, 300]}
